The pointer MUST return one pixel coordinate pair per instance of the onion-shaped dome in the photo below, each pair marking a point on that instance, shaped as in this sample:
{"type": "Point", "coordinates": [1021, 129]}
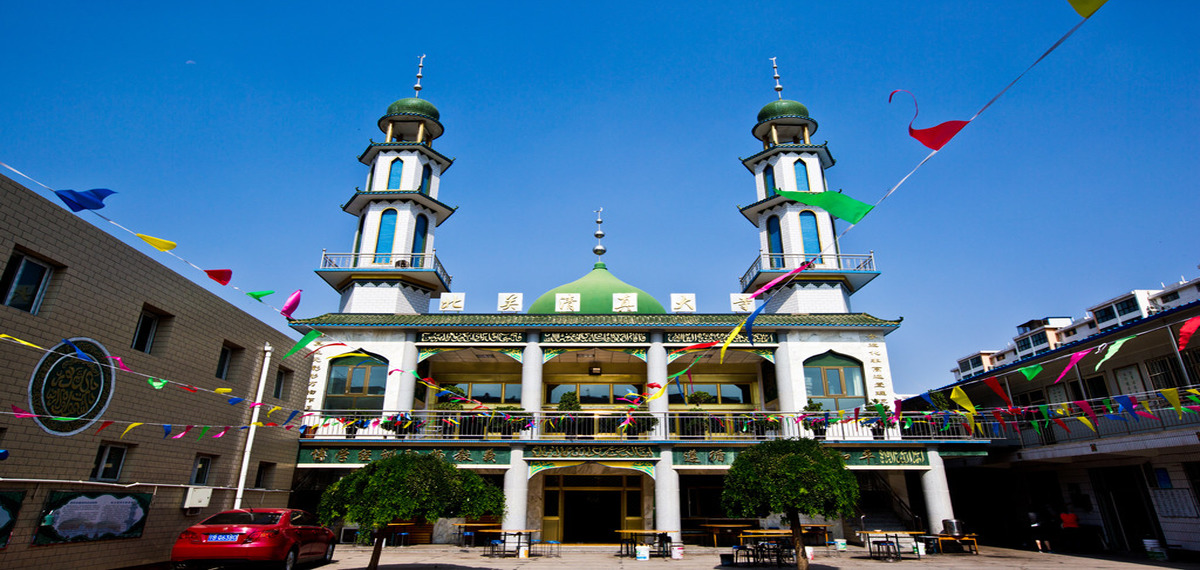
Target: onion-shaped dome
{"type": "Point", "coordinates": [415, 106]}
{"type": "Point", "coordinates": [782, 108]}
{"type": "Point", "coordinates": [596, 290]}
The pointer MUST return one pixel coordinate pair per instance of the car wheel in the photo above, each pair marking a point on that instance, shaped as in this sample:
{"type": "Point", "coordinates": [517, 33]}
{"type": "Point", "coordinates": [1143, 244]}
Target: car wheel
{"type": "Point", "coordinates": [328, 554]}
{"type": "Point", "coordinates": [289, 562]}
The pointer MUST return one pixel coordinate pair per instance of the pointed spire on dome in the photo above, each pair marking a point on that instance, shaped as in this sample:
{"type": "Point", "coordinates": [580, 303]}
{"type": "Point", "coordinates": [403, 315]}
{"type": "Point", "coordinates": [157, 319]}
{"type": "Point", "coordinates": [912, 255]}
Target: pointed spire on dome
{"type": "Point", "coordinates": [599, 250]}
{"type": "Point", "coordinates": [420, 66]}
{"type": "Point", "coordinates": [778, 87]}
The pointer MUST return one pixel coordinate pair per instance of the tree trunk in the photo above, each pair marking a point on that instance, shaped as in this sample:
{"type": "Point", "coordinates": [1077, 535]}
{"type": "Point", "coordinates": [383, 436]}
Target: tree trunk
{"type": "Point", "coordinates": [798, 539]}
{"type": "Point", "coordinates": [380, 536]}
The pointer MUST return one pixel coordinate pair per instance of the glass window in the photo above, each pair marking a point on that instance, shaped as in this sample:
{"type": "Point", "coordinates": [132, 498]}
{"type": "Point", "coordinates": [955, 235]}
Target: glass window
{"type": "Point", "coordinates": [769, 180]}
{"type": "Point", "coordinates": [1127, 306]}
{"type": "Point", "coordinates": [1023, 343]}
{"type": "Point", "coordinates": [808, 231]}
{"type": "Point", "coordinates": [358, 237]}
{"type": "Point", "coordinates": [281, 381]}
{"type": "Point", "coordinates": [487, 393]}
{"type": "Point", "coordinates": [1038, 339]}
{"type": "Point", "coordinates": [594, 394]}
{"type": "Point", "coordinates": [24, 282]}
{"type": "Point", "coordinates": [387, 234]}
{"type": "Point", "coordinates": [420, 229]}
{"type": "Point", "coordinates": [1105, 314]}
{"type": "Point", "coordinates": [426, 177]}
{"type": "Point", "coordinates": [223, 362]}
{"type": "Point", "coordinates": [394, 174]}
{"type": "Point", "coordinates": [554, 392]}
{"type": "Point", "coordinates": [201, 469]}
{"type": "Point", "coordinates": [143, 337]}
{"type": "Point", "coordinates": [735, 393]}
{"type": "Point", "coordinates": [244, 517]}
{"type": "Point", "coordinates": [774, 242]}
{"type": "Point", "coordinates": [620, 391]}
{"type": "Point", "coordinates": [109, 461]}
{"type": "Point", "coordinates": [512, 393]}
{"type": "Point", "coordinates": [262, 478]}
{"type": "Point", "coordinates": [838, 379]}
{"type": "Point", "coordinates": [356, 383]}
{"type": "Point", "coordinates": [801, 176]}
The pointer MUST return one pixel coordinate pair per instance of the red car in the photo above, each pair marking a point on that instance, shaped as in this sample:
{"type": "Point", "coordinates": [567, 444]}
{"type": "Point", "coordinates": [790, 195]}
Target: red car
{"type": "Point", "coordinates": [284, 537]}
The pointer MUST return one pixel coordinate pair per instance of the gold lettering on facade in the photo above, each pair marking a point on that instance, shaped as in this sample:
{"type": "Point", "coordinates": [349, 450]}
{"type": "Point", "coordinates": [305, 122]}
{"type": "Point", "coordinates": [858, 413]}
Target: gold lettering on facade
{"type": "Point", "coordinates": [438, 453]}
{"type": "Point", "coordinates": [624, 302]}
{"type": "Point", "coordinates": [566, 302]}
{"type": "Point", "coordinates": [592, 451]}
{"type": "Point", "coordinates": [690, 456]}
{"type": "Point", "coordinates": [716, 456]}
{"type": "Point", "coordinates": [462, 456]}
{"type": "Point", "coordinates": [510, 302]}
{"type": "Point", "coordinates": [319, 455]}
{"type": "Point", "coordinates": [489, 456]}
{"type": "Point", "coordinates": [472, 337]}
{"type": "Point", "coordinates": [594, 337]}
{"type": "Point", "coordinates": [699, 337]}
{"type": "Point", "coordinates": [364, 456]}
{"type": "Point", "coordinates": [72, 388]}
{"type": "Point", "coordinates": [387, 454]}
{"type": "Point", "coordinates": [342, 455]}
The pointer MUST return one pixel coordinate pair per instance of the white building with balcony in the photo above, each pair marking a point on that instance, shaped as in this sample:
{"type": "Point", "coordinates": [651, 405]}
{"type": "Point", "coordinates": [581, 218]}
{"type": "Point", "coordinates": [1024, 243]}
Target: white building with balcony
{"type": "Point", "coordinates": [549, 383]}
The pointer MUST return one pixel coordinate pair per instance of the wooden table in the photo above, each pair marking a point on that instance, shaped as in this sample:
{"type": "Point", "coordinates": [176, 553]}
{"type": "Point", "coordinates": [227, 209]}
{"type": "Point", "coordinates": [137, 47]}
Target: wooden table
{"type": "Point", "coordinates": [662, 541]}
{"type": "Point", "coordinates": [716, 528]}
{"type": "Point", "coordinates": [393, 528]}
{"type": "Point", "coordinates": [821, 528]}
{"type": "Point", "coordinates": [890, 538]}
{"type": "Point", "coordinates": [763, 533]}
{"type": "Point", "coordinates": [966, 541]}
{"type": "Point", "coordinates": [463, 528]}
{"type": "Point", "coordinates": [522, 535]}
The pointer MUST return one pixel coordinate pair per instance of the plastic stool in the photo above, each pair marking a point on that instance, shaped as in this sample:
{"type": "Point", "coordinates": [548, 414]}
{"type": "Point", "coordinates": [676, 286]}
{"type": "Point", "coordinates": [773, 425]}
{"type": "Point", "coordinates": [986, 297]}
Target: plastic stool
{"type": "Point", "coordinates": [553, 548]}
{"type": "Point", "coordinates": [746, 552]}
{"type": "Point", "coordinates": [497, 548]}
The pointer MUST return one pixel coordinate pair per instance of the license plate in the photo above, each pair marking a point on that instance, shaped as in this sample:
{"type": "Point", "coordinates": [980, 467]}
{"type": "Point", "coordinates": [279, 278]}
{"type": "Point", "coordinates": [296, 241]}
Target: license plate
{"type": "Point", "coordinates": [222, 538]}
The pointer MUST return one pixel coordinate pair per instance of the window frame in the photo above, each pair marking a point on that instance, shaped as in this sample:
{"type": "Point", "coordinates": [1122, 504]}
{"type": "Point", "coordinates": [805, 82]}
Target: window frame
{"type": "Point", "coordinates": [769, 185]}
{"type": "Point", "coordinates": [224, 362]}
{"type": "Point", "coordinates": [426, 179]}
{"type": "Point", "coordinates": [345, 392]}
{"type": "Point", "coordinates": [11, 279]}
{"type": "Point", "coordinates": [395, 176]}
{"type": "Point", "coordinates": [801, 170]}
{"type": "Point", "coordinates": [852, 364]}
{"type": "Point", "coordinates": [202, 469]}
{"type": "Point", "coordinates": [283, 377]}
{"type": "Point", "coordinates": [385, 241]}
{"type": "Point", "coordinates": [147, 344]}
{"type": "Point", "coordinates": [102, 458]}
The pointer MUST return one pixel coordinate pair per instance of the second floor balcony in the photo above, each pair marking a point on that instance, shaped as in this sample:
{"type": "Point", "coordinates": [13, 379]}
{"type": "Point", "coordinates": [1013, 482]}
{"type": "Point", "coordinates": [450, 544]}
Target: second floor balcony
{"type": "Point", "coordinates": [423, 268]}
{"type": "Point", "coordinates": [856, 269]}
{"type": "Point", "coordinates": [616, 426]}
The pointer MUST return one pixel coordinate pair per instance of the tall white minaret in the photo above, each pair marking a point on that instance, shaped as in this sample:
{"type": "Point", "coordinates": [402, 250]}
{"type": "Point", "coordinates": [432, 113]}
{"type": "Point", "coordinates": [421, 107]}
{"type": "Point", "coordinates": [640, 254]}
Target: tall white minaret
{"type": "Point", "coordinates": [392, 267]}
{"type": "Point", "coordinates": [791, 233]}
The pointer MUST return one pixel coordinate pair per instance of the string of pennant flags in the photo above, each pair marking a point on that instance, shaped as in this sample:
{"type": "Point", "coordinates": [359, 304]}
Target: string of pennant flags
{"type": "Point", "coordinates": [836, 203]}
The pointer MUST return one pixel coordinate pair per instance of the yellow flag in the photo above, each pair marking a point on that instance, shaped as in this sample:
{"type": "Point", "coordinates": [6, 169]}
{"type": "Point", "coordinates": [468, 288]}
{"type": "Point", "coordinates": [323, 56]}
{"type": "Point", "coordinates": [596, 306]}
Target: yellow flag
{"type": "Point", "coordinates": [273, 410]}
{"type": "Point", "coordinates": [961, 399]}
{"type": "Point", "coordinates": [1172, 396]}
{"type": "Point", "coordinates": [729, 339]}
{"type": "Point", "coordinates": [17, 340]}
{"type": "Point", "coordinates": [1086, 7]}
{"type": "Point", "coordinates": [223, 390]}
{"type": "Point", "coordinates": [131, 426]}
{"type": "Point", "coordinates": [157, 243]}
{"type": "Point", "coordinates": [1086, 422]}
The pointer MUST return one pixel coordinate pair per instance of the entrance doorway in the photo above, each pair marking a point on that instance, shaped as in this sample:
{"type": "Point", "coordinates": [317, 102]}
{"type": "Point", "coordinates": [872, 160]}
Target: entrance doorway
{"type": "Point", "coordinates": [590, 508]}
{"type": "Point", "coordinates": [1125, 506]}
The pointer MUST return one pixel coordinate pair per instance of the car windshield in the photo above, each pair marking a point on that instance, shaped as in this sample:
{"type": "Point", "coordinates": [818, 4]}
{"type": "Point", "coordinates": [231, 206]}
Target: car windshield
{"type": "Point", "coordinates": [244, 517]}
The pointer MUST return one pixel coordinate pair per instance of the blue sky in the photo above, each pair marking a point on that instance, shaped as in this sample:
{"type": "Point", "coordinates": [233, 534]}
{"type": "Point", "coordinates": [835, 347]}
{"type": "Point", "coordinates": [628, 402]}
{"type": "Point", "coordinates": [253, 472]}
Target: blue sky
{"type": "Point", "coordinates": [1076, 186]}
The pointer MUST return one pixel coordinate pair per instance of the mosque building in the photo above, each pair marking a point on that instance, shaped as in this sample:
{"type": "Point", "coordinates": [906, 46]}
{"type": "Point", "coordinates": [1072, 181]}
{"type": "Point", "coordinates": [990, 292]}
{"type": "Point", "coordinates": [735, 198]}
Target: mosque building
{"type": "Point", "coordinates": [536, 395]}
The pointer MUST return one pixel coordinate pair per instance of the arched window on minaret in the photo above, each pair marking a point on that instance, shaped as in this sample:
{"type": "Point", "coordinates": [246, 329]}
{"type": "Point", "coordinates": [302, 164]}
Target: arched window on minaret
{"type": "Point", "coordinates": [420, 231]}
{"type": "Point", "coordinates": [801, 176]}
{"type": "Point", "coordinates": [387, 235]}
{"type": "Point", "coordinates": [394, 174]}
{"type": "Point", "coordinates": [358, 236]}
{"type": "Point", "coordinates": [769, 180]}
{"type": "Point", "coordinates": [808, 231]}
{"type": "Point", "coordinates": [426, 176]}
{"type": "Point", "coordinates": [835, 380]}
{"type": "Point", "coordinates": [774, 242]}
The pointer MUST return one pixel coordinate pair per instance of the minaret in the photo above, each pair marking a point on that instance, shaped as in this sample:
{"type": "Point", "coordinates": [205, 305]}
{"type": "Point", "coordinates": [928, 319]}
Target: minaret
{"type": "Point", "coordinates": [791, 233]}
{"type": "Point", "coordinates": [392, 267]}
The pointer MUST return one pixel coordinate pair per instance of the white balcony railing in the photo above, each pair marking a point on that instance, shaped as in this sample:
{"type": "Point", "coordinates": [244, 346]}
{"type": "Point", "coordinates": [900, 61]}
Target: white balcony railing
{"type": "Point", "coordinates": [783, 262]}
{"type": "Point", "coordinates": [386, 261]}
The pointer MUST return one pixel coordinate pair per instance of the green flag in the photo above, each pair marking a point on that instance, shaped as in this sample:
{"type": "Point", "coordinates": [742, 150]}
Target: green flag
{"type": "Point", "coordinates": [308, 338]}
{"type": "Point", "coordinates": [1031, 371]}
{"type": "Point", "coordinates": [258, 295]}
{"type": "Point", "coordinates": [835, 203]}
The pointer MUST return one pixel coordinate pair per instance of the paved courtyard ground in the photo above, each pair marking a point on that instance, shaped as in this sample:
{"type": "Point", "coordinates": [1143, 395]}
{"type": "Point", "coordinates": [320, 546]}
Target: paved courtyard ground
{"type": "Point", "coordinates": [442, 557]}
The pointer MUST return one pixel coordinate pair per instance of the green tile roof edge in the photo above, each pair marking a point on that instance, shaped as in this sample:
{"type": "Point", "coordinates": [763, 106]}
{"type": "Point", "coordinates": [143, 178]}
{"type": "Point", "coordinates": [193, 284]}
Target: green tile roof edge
{"type": "Point", "coordinates": [474, 320]}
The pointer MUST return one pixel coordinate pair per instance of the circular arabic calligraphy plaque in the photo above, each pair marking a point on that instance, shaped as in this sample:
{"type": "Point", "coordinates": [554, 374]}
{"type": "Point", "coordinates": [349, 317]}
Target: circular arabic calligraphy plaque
{"type": "Point", "coordinates": [69, 393]}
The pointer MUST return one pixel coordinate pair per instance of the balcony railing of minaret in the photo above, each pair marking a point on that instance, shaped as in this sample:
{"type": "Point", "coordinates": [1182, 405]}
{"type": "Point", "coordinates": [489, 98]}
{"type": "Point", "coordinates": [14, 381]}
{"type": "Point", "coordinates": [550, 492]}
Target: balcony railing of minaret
{"type": "Point", "coordinates": [783, 262]}
{"type": "Point", "coordinates": [385, 261]}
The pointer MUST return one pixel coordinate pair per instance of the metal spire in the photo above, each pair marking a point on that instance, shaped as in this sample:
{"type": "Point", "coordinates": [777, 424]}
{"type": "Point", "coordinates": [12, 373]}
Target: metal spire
{"type": "Point", "coordinates": [420, 66]}
{"type": "Point", "coordinates": [778, 87]}
{"type": "Point", "coordinates": [599, 249]}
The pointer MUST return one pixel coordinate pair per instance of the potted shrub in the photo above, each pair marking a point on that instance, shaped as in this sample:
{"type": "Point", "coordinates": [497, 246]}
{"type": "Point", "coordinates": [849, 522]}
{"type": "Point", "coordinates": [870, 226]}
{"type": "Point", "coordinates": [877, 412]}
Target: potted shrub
{"type": "Point", "coordinates": [400, 425]}
{"type": "Point", "coordinates": [574, 424]}
{"type": "Point", "coordinates": [642, 423]}
{"type": "Point", "coordinates": [697, 425]}
{"type": "Point", "coordinates": [505, 428]}
{"type": "Point", "coordinates": [817, 425]}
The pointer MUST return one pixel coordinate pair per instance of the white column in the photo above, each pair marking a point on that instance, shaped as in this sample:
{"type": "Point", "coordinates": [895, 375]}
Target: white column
{"type": "Point", "coordinates": [531, 381]}
{"type": "Point", "coordinates": [666, 494]}
{"type": "Point", "coordinates": [516, 490]}
{"type": "Point", "coordinates": [937, 491]}
{"type": "Point", "coordinates": [783, 374]}
{"type": "Point", "coordinates": [656, 373]}
{"type": "Point", "coordinates": [407, 385]}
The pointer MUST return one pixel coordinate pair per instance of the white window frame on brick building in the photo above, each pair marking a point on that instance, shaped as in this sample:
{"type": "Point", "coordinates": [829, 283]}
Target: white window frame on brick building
{"type": "Point", "coordinates": [202, 469]}
{"type": "Point", "coordinates": [143, 336]}
{"type": "Point", "coordinates": [23, 287]}
{"type": "Point", "coordinates": [110, 461]}
{"type": "Point", "coordinates": [283, 377]}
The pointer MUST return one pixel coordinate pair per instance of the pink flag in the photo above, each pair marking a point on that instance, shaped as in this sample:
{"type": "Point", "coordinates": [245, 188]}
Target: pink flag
{"type": "Point", "coordinates": [222, 432]}
{"type": "Point", "coordinates": [19, 413]}
{"type": "Point", "coordinates": [1087, 409]}
{"type": "Point", "coordinates": [290, 305]}
{"type": "Point", "coordinates": [1185, 333]}
{"type": "Point", "coordinates": [120, 363]}
{"type": "Point", "coordinates": [1074, 359]}
{"type": "Point", "coordinates": [933, 137]}
{"type": "Point", "coordinates": [183, 433]}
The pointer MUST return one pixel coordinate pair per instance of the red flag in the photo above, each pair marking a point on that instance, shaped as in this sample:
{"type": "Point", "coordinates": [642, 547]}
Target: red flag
{"type": "Point", "coordinates": [933, 137]}
{"type": "Point", "coordinates": [221, 276]}
{"type": "Point", "coordinates": [1185, 333]}
{"type": "Point", "coordinates": [103, 425]}
{"type": "Point", "coordinates": [994, 384]}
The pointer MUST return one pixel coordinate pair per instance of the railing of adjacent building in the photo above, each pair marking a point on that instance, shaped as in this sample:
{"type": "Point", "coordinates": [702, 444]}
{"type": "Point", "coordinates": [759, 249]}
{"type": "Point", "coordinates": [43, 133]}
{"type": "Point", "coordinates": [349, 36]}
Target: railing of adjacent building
{"type": "Point", "coordinates": [587, 425]}
{"type": "Point", "coordinates": [824, 262]}
{"type": "Point", "coordinates": [1158, 417]}
{"type": "Point", "coordinates": [383, 261]}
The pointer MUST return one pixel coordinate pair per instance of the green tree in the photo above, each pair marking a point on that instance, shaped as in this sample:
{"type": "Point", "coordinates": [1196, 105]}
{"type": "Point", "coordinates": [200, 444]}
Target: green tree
{"type": "Point", "coordinates": [793, 477]}
{"type": "Point", "coordinates": [407, 486]}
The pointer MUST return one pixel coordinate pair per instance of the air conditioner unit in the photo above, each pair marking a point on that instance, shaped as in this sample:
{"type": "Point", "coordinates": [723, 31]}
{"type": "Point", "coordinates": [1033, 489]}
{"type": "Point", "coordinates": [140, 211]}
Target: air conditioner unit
{"type": "Point", "coordinates": [197, 497]}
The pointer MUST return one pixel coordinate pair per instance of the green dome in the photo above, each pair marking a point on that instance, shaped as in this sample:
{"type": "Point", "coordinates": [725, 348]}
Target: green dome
{"type": "Point", "coordinates": [415, 106]}
{"type": "Point", "coordinates": [781, 108]}
{"type": "Point", "coordinates": [596, 291]}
